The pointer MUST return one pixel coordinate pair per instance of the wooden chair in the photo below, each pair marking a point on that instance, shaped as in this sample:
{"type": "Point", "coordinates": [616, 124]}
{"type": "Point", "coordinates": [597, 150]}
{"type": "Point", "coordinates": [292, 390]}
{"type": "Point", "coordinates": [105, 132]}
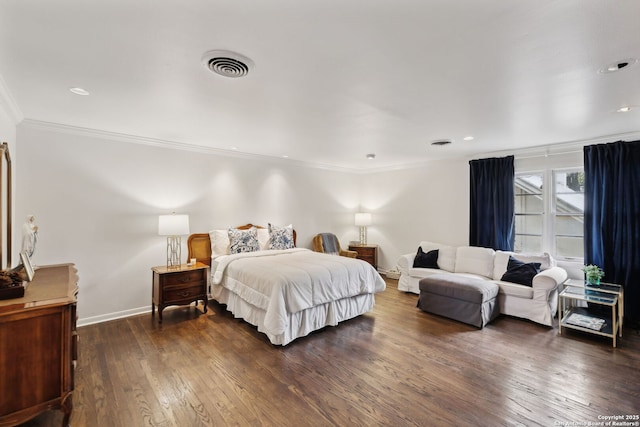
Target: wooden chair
{"type": "Point", "coordinates": [332, 245]}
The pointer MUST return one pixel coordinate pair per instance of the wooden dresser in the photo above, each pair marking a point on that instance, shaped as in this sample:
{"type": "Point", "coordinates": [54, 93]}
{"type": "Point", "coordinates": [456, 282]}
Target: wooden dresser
{"type": "Point", "coordinates": [367, 253]}
{"type": "Point", "coordinates": [38, 346]}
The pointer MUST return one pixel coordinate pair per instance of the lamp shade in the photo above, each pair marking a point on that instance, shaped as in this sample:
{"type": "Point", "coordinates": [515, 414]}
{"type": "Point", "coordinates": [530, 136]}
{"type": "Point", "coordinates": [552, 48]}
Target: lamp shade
{"type": "Point", "coordinates": [173, 225]}
{"type": "Point", "coordinates": [363, 219]}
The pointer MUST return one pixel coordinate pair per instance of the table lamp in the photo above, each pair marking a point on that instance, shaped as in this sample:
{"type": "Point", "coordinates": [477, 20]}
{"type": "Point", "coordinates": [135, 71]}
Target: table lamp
{"type": "Point", "coordinates": [362, 220]}
{"type": "Point", "coordinates": [174, 227]}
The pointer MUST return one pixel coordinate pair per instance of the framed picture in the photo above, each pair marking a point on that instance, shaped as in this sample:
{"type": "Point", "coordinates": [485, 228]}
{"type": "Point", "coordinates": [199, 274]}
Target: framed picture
{"type": "Point", "coordinates": [28, 268]}
{"type": "Point", "coordinates": [5, 207]}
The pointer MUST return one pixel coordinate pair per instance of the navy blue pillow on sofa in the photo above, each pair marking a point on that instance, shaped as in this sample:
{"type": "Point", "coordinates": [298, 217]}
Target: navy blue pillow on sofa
{"type": "Point", "coordinates": [428, 260]}
{"type": "Point", "coordinates": [520, 272]}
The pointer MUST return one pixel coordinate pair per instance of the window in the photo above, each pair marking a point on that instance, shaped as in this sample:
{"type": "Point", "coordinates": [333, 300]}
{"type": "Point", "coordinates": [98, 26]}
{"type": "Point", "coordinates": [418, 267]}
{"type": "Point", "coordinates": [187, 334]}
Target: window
{"type": "Point", "coordinates": [529, 211]}
{"type": "Point", "coordinates": [569, 213]}
{"type": "Point", "coordinates": [550, 218]}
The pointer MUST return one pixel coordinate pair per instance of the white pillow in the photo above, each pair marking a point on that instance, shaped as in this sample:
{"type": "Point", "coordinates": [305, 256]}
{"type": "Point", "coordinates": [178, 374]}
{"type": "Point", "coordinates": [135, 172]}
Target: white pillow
{"type": "Point", "coordinates": [446, 254]}
{"type": "Point", "coordinates": [263, 239]}
{"type": "Point", "coordinates": [219, 242]}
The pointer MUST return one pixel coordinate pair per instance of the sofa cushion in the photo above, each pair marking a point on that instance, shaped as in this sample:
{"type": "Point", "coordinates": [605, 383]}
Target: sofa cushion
{"type": "Point", "coordinates": [423, 272]}
{"type": "Point", "coordinates": [513, 289]}
{"type": "Point", "coordinates": [426, 260]}
{"type": "Point", "coordinates": [501, 260]}
{"type": "Point", "coordinates": [475, 260]}
{"type": "Point", "coordinates": [461, 288]}
{"type": "Point", "coordinates": [520, 272]}
{"type": "Point", "coordinates": [446, 254]}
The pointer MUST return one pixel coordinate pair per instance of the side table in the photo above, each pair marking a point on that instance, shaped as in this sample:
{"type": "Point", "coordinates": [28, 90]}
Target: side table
{"type": "Point", "coordinates": [367, 253]}
{"type": "Point", "coordinates": [178, 286]}
{"type": "Point", "coordinates": [587, 319]}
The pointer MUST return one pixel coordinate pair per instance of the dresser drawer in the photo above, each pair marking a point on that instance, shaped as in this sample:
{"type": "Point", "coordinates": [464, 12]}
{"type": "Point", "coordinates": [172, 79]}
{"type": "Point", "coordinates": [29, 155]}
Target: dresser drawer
{"type": "Point", "coordinates": [180, 293]}
{"type": "Point", "coordinates": [182, 277]}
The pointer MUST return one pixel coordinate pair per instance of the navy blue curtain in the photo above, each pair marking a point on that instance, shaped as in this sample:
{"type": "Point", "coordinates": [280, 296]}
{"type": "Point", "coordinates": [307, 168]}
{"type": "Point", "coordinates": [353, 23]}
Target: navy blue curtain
{"type": "Point", "coordinates": [492, 218]}
{"type": "Point", "coordinates": [612, 216]}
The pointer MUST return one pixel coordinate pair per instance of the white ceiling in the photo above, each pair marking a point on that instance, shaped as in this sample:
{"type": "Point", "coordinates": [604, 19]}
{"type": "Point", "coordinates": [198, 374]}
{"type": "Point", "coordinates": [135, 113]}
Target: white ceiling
{"type": "Point", "coordinates": [333, 80]}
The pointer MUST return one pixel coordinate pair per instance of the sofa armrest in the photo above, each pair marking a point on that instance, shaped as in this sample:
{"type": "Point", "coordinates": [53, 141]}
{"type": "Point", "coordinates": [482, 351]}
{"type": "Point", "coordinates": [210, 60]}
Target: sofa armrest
{"type": "Point", "coordinates": [549, 279]}
{"type": "Point", "coordinates": [405, 263]}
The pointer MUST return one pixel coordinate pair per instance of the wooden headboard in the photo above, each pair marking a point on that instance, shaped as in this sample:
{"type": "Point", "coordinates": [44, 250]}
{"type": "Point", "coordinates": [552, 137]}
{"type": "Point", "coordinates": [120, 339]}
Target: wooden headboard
{"type": "Point", "coordinates": [199, 244]}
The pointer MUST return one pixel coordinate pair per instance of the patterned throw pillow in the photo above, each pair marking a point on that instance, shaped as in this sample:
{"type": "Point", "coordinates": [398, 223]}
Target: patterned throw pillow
{"type": "Point", "coordinates": [243, 240]}
{"type": "Point", "coordinates": [280, 237]}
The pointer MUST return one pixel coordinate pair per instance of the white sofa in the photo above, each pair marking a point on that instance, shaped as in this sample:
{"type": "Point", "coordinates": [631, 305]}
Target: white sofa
{"type": "Point", "coordinates": [537, 303]}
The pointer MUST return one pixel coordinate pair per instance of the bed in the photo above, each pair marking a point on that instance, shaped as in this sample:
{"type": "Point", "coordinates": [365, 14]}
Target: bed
{"type": "Point", "coordinates": [286, 293]}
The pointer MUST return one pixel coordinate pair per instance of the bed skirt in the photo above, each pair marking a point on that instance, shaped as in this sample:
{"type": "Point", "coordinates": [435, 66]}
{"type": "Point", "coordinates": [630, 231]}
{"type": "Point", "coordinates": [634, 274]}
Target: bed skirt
{"type": "Point", "coordinates": [301, 323]}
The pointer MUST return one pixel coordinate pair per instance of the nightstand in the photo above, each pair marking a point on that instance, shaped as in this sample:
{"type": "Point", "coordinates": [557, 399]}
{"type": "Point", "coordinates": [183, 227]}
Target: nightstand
{"type": "Point", "coordinates": [178, 286]}
{"type": "Point", "coordinates": [367, 253]}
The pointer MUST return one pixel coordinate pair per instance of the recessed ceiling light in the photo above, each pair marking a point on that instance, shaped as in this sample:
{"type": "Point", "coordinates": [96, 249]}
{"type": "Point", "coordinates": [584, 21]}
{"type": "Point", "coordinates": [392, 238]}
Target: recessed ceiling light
{"type": "Point", "coordinates": [284, 156]}
{"type": "Point", "coordinates": [371, 156]}
{"type": "Point", "coordinates": [623, 109]}
{"type": "Point", "coordinates": [468, 138]}
{"type": "Point", "coordinates": [618, 65]}
{"type": "Point", "coordinates": [234, 148]}
{"type": "Point", "coordinates": [79, 91]}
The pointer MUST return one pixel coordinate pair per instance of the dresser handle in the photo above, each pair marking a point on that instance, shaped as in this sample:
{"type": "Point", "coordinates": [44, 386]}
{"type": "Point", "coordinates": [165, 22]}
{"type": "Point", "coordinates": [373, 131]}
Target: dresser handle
{"type": "Point", "coordinates": [185, 294]}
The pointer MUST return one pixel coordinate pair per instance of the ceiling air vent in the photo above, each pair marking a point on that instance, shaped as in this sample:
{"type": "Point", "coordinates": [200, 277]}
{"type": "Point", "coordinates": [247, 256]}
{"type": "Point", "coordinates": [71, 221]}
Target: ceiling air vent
{"type": "Point", "coordinates": [227, 64]}
{"type": "Point", "coordinates": [441, 142]}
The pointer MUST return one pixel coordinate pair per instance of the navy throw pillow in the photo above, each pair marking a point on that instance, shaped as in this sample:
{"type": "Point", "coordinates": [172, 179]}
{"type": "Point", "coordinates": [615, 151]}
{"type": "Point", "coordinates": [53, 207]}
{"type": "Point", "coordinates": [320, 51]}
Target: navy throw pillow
{"type": "Point", "coordinates": [428, 260]}
{"type": "Point", "coordinates": [520, 272]}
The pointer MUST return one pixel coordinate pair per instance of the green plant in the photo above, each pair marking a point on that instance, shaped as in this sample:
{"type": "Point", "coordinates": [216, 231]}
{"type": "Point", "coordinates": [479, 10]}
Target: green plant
{"type": "Point", "coordinates": [593, 271]}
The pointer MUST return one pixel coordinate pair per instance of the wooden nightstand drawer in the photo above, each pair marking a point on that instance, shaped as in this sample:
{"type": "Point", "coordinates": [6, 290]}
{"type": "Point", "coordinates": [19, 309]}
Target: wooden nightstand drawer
{"type": "Point", "coordinates": [182, 277]}
{"type": "Point", "coordinates": [369, 258]}
{"type": "Point", "coordinates": [173, 295]}
{"type": "Point", "coordinates": [368, 253]}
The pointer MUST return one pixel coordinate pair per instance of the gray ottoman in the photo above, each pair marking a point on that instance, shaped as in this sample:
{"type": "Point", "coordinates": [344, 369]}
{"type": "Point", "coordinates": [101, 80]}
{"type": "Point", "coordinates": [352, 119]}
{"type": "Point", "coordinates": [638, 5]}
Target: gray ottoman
{"type": "Point", "coordinates": [468, 300]}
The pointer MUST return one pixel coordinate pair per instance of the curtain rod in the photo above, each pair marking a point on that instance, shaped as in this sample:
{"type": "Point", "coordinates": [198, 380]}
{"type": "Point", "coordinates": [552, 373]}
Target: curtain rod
{"type": "Point", "coordinates": [557, 153]}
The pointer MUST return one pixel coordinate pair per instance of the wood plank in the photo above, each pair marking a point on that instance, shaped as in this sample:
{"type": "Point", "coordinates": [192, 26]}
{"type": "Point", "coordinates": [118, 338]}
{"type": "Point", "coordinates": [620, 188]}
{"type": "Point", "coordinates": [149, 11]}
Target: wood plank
{"type": "Point", "coordinates": [395, 366]}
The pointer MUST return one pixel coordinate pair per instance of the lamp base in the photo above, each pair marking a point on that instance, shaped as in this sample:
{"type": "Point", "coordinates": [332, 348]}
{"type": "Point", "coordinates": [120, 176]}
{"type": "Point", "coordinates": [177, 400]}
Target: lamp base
{"type": "Point", "coordinates": [174, 251]}
{"type": "Point", "coordinates": [363, 235]}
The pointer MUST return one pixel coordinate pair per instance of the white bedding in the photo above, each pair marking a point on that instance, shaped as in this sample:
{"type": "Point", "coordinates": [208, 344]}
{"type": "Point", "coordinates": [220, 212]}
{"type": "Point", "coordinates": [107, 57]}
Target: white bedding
{"type": "Point", "coordinates": [275, 289]}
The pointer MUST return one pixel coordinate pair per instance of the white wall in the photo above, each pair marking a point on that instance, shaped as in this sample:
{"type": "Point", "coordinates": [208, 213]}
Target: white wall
{"type": "Point", "coordinates": [7, 129]}
{"type": "Point", "coordinates": [411, 205]}
{"type": "Point", "coordinates": [97, 201]}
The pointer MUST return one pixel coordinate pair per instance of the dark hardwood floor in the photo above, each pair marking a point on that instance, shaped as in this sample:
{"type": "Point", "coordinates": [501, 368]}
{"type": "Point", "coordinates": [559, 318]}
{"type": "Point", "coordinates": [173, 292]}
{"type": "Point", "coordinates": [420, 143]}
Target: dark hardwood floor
{"type": "Point", "coordinates": [396, 366]}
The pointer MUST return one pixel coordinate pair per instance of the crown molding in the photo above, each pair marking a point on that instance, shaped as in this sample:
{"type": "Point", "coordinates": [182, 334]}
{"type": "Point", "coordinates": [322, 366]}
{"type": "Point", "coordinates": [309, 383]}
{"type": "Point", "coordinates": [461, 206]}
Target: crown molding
{"type": "Point", "coordinates": [560, 148]}
{"type": "Point", "coordinates": [154, 142]}
{"type": "Point", "coordinates": [541, 150]}
{"type": "Point", "coordinates": [174, 145]}
{"type": "Point", "coordinates": [9, 104]}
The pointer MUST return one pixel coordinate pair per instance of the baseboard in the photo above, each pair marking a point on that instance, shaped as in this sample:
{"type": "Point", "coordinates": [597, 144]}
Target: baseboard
{"type": "Point", "coordinates": [113, 316]}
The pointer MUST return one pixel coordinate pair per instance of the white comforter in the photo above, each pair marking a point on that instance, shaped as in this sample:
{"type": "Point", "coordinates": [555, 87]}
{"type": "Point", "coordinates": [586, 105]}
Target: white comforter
{"type": "Point", "coordinates": [282, 282]}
